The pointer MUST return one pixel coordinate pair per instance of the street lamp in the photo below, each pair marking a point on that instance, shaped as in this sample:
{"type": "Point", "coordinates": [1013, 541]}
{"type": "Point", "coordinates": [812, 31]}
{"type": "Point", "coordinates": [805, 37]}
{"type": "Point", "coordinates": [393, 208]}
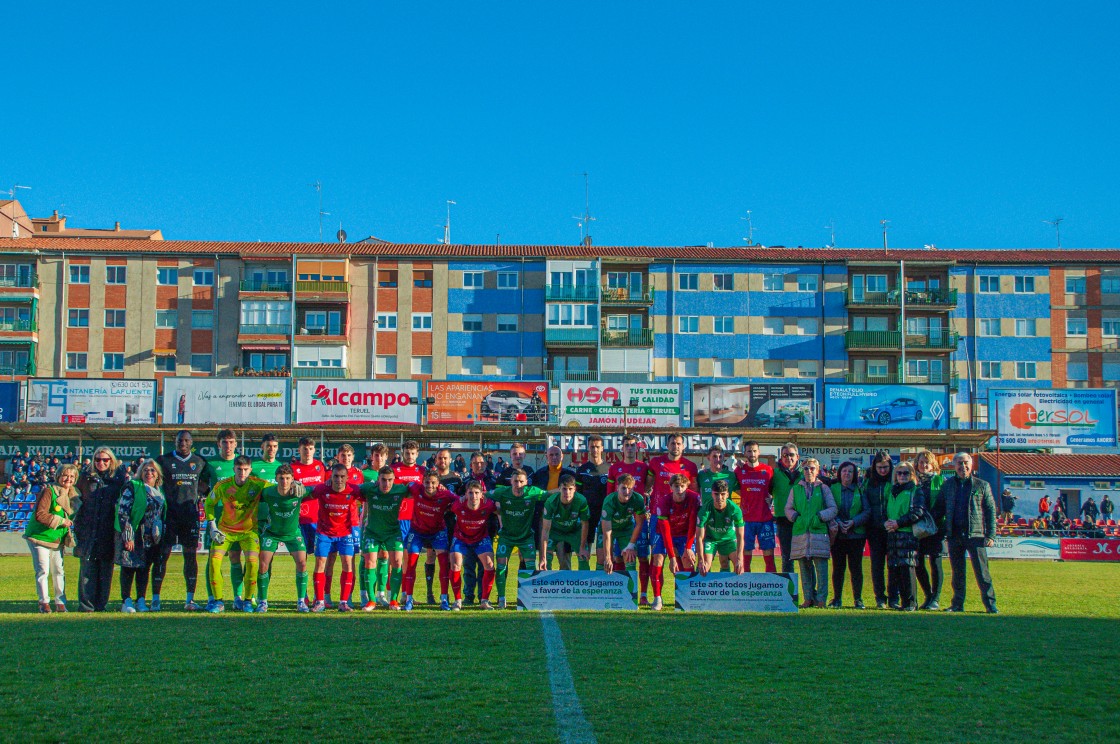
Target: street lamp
{"type": "Point", "coordinates": [617, 403]}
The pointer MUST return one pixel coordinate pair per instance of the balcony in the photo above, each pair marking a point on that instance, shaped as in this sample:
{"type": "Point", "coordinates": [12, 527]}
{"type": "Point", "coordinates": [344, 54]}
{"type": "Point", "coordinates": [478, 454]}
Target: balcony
{"type": "Point", "coordinates": [320, 373]}
{"type": "Point", "coordinates": [260, 285]}
{"type": "Point", "coordinates": [933, 299]}
{"type": "Point", "coordinates": [943, 378]}
{"type": "Point", "coordinates": [570, 336]}
{"type": "Point", "coordinates": [631, 338]}
{"type": "Point", "coordinates": [568, 293]}
{"type": "Point", "coordinates": [558, 376]}
{"type": "Point", "coordinates": [28, 281]}
{"type": "Point", "coordinates": [313, 289]}
{"type": "Point", "coordinates": [892, 340]}
{"type": "Point", "coordinates": [627, 296]}
{"type": "Point", "coordinates": [334, 335]}
{"type": "Point", "coordinates": [19, 326]}
{"type": "Point", "coordinates": [281, 329]}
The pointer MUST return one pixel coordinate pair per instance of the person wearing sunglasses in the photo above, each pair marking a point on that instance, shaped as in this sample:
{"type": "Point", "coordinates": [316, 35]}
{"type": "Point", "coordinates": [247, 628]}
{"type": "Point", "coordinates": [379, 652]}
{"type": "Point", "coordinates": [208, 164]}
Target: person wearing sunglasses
{"type": "Point", "coordinates": [99, 487]}
{"type": "Point", "coordinates": [903, 509]}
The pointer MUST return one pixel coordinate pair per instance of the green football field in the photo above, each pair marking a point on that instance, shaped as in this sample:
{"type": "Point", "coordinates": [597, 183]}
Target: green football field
{"type": "Point", "coordinates": [1044, 669]}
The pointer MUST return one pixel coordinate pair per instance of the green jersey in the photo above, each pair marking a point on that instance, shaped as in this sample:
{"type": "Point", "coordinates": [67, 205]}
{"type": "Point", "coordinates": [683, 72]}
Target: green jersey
{"type": "Point", "coordinates": [566, 518]}
{"type": "Point", "coordinates": [279, 513]}
{"type": "Point", "coordinates": [369, 475]}
{"type": "Point", "coordinates": [517, 512]}
{"type": "Point", "coordinates": [621, 514]}
{"type": "Point", "coordinates": [266, 471]}
{"type": "Point", "coordinates": [720, 525]}
{"type": "Point", "coordinates": [221, 469]}
{"type": "Point", "coordinates": [382, 512]}
{"type": "Point", "coordinates": [706, 478]}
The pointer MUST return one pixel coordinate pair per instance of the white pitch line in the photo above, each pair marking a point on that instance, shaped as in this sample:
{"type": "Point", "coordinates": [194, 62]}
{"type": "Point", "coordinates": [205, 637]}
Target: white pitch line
{"type": "Point", "coordinates": [571, 724]}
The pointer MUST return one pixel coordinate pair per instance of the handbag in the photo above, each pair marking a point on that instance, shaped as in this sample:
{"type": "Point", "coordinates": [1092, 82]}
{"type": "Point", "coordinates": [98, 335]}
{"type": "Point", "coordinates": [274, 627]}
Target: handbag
{"type": "Point", "coordinates": [924, 527]}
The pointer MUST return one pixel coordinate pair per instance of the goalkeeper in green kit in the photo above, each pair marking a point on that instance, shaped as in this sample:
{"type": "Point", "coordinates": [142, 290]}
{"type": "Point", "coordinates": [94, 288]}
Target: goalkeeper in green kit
{"type": "Point", "coordinates": [517, 504]}
{"type": "Point", "coordinates": [720, 530]}
{"type": "Point", "coordinates": [280, 524]}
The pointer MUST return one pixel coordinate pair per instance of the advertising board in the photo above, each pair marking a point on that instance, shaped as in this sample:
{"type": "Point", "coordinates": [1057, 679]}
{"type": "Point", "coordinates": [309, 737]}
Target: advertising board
{"type": "Point", "coordinates": [886, 406]}
{"type": "Point", "coordinates": [775, 406]}
{"type": "Point", "coordinates": [487, 401]}
{"type": "Point", "coordinates": [74, 401]}
{"type": "Point", "coordinates": [225, 400]}
{"type": "Point", "coordinates": [357, 402]}
{"type": "Point", "coordinates": [591, 404]}
{"type": "Point", "coordinates": [1033, 418]}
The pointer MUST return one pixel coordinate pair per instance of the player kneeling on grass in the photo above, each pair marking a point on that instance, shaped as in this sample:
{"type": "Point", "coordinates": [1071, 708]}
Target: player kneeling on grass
{"type": "Point", "coordinates": [232, 511]}
{"type": "Point", "coordinates": [517, 504]}
{"type": "Point", "coordinates": [381, 535]}
{"type": "Point", "coordinates": [624, 518]}
{"type": "Point", "coordinates": [428, 531]}
{"type": "Point", "coordinates": [280, 524]}
{"type": "Point", "coordinates": [564, 528]}
{"type": "Point", "coordinates": [720, 530]}
{"type": "Point", "coordinates": [675, 535]}
{"type": "Point", "coordinates": [334, 532]}
{"type": "Point", "coordinates": [472, 537]}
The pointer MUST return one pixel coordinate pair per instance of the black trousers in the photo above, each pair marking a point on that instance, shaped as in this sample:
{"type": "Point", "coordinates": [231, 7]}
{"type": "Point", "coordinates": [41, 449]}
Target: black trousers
{"type": "Point", "coordinates": [785, 541]}
{"type": "Point", "coordinates": [930, 580]}
{"type": "Point", "coordinates": [903, 584]}
{"type": "Point", "coordinates": [877, 540]}
{"type": "Point", "coordinates": [974, 546]}
{"type": "Point", "coordinates": [95, 581]}
{"type": "Point", "coordinates": [847, 554]}
{"type": "Point", "coordinates": [190, 565]}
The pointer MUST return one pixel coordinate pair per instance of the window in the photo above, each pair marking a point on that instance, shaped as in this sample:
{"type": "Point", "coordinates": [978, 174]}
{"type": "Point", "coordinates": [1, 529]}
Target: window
{"type": "Point", "coordinates": [202, 363]}
{"type": "Point", "coordinates": [773, 326]}
{"type": "Point", "coordinates": [422, 278]}
{"type": "Point", "coordinates": [113, 363]}
{"type": "Point", "coordinates": [76, 362]}
{"type": "Point", "coordinates": [1075, 285]}
{"type": "Point", "coordinates": [723, 367]}
{"type": "Point", "coordinates": [78, 319]}
{"type": "Point", "coordinates": [115, 274]}
{"type": "Point", "coordinates": [386, 321]}
{"type": "Point", "coordinates": [574, 315]}
{"type": "Point", "coordinates": [1076, 326]}
{"type": "Point", "coordinates": [1024, 285]}
{"type": "Point", "coordinates": [807, 326]}
{"type": "Point", "coordinates": [1026, 327]}
{"type": "Point", "coordinates": [421, 321]}
{"type": "Point", "coordinates": [1110, 284]}
{"type": "Point", "coordinates": [507, 366]}
{"type": "Point", "coordinates": [807, 282]}
{"type": "Point", "coordinates": [807, 368]}
{"type": "Point", "coordinates": [989, 327]}
{"type": "Point", "coordinates": [688, 324]}
{"type": "Point", "coordinates": [725, 324]}
{"type": "Point", "coordinates": [1077, 371]}
{"type": "Point", "coordinates": [472, 323]}
{"type": "Point", "coordinates": [1110, 327]}
{"type": "Point", "coordinates": [114, 318]}
{"type": "Point", "coordinates": [387, 278]}
{"type": "Point", "coordinates": [1025, 371]}
{"type": "Point", "coordinates": [688, 368]}
{"type": "Point", "coordinates": [1111, 371]}
{"type": "Point", "coordinates": [167, 318]}
{"type": "Point", "coordinates": [507, 280]}
{"type": "Point", "coordinates": [870, 323]}
{"type": "Point", "coordinates": [688, 282]}
{"type": "Point", "coordinates": [773, 282]}
{"type": "Point", "coordinates": [507, 324]}
{"type": "Point", "coordinates": [473, 279]}
{"type": "Point", "coordinates": [266, 362]}
{"type": "Point", "coordinates": [723, 282]}
{"type": "Point", "coordinates": [203, 277]}
{"type": "Point", "coordinates": [472, 366]}
{"type": "Point", "coordinates": [202, 319]}
{"type": "Point", "coordinates": [421, 365]}
{"type": "Point", "coordinates": [876, 368]}
{"type": "Point", "coordinates": [772, 368]}
{"type": "Point", "coordinates": [618, 322]}
{"type": "Point", "coordinates": [165, 364]}
{"type": "Point", "coordinates": [989, 284]}
{"type": "Point", "coordinates": [79, 275]}
{"type": "Point", "coordinates": [167, 276]}
{"type": "Point", "coordinates": [386, 364]}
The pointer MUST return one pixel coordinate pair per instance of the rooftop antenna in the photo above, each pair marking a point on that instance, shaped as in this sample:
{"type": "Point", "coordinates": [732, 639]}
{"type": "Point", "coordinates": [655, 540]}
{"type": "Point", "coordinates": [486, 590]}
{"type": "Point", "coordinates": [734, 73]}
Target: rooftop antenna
{"type": "Point", "coordinates": [750, 228]}
{"type": "Point", "coordinates": [12, 195]}
{"type": "Point", "coordinates": [885, 224]}
{"type": "Point", "coordinates": [447, 225]}
{"type": "Point", "coordinates": [586, 220]}
{"type": "Point", "coordinates": [1057, 224]}
{"type": "Point", "coordinates": [318, 186]}
{"type": "Point", "coordinates": [831, 227]}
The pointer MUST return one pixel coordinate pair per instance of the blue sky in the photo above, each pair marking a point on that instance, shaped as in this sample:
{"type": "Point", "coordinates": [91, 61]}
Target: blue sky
{"type": "Point", "coordinates": [965, 126]}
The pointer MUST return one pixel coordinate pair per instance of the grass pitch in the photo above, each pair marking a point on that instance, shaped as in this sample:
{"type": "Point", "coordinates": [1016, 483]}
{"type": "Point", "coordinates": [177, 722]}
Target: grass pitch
{"type": "Point", "coordinates": [1040, 670]}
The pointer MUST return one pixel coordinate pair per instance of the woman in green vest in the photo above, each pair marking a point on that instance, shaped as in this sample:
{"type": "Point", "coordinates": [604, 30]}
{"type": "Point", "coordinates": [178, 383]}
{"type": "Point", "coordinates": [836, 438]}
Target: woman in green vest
{"type": "Point", "coordinates": [929, 548]}
{"type": "Point", "coordinates": [903, 509]}
{"type": "Point", "coordinates": [852, 513]}
{"type": "Point", "coordinates": [809, 508]}
{"type": "Point", "coordinates": [140, 514]}
{"type": "Point", "coordinates": [48, 532]}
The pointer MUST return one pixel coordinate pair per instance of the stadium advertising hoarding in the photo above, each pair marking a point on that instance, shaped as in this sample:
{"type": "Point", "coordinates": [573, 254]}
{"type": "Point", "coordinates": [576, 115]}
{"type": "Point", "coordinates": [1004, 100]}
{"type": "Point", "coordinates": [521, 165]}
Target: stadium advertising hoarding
{"type": "Point", "coordinates": [886, 406]}
{"type": "Point", "coordinates": [487, 401]}
{"type": "Point", "coordinates": [58, 401]}
{"type": "Point", "coordinates": [1026, 548]}
{"type": "Point", "coordinates": [776, 406]}
{"type": "Point", "coordinates": [1053, 418]}
{"type": "Point", "coordinates": [357, 402]}
{"type": "Point", "coordinates": [226, 400]}
{"type": "Point", "coordinates": [1090, 549]}
{"type": "Point", "coordinates": [9, 401]}
{"type": "Point", "coordinates": [834, 456]}
{"type": "Point", "coordinates": [591, 404]}
{"type": "Point", "coordinates": [576, 590]}
{"type": "Point", "coordinates": [727, 592]}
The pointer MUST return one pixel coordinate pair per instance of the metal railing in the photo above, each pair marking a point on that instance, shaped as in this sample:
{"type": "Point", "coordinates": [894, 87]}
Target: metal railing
{"type": "Point", "coordinates": [260, 285]}
{"type": "Point", "coordinates": [302, 332]}
{"type": "Point", "coordinates": [627, 296]}
{"type": "Point", "coordinates": [939, 340]}
{"type": "Point", "coordinates": [576, 293]}
{"type": "Point", "coordinates": [19, 326]}
{"type": "Point", "coordinates": [570, 336]}
{"type": "Point", "coordinates": [22, 282]}
{"type": "Point", "coordinates": [320, 373]}
{"type": "Point", "coordinates": [632, 337]}
{"type": "Point", "coordinates": [893, 378]}
{"type": "Point", "coordinates": [272, 329]}
{"type": "Point", "coordinates": [320, 286]}
{"type": "Point", "coordinates": [558, 376]}
{"type": "Point", "coordinates": [893, 298]}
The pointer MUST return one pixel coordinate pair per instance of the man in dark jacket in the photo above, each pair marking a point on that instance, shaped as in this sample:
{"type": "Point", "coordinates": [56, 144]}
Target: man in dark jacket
{"type": "Point", "coordinates": [1106, 508]}
{"type": "Point", "coordinates": [1089, 511]}
{"type": "Point", "coordinates": [94, 533]}
{"type": "Point", "coordinates": [970, 520]}
{"type": "Point", "coordinates": [591, 478]}
{"type": "Point", "coordinates": [875, 487]}
{"type": "Point", "coordinates": [186, 480]}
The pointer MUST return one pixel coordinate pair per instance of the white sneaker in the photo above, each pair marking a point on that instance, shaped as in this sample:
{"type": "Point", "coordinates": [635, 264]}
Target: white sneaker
{"type": "Point", "coordinates": [127, 606]}
{"type": "Point", "coordinates": [657, 605]}
{"type": "Point", "coordinates": [457, 605]}
{"type": "Point", "coordinates": [485, 605]}
{"type": "Point", "coordinates": [382, 600]}
{"type": "Point", "coordinates": [301, 606]}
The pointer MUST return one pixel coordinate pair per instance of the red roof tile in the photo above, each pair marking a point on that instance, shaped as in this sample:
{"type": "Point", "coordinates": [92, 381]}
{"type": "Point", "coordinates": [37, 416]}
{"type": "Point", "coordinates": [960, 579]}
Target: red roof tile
{"type": "Point", "coordinates": [1075, 465]}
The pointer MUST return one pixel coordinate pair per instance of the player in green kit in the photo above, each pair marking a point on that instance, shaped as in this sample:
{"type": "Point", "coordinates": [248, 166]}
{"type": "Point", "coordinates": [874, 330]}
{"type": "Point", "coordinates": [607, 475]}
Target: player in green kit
{"type": "Point", "coordinates": [382, 531]}
{"type": "Point", "coordinates": [715, 471]}
{"type": "Point", "coordinates": [372, 587]}
{"type": "Point", "coordinates": [279, 515]}
{"type": "Point", "coordinates": [221, 467]}
{"type": "Point", "coordinates": [517, 505]}
{"type": "Point", "coordinates": [564, 527]}
{"type": "Point", "coordinates": [624, 518]}
{"type": "Point", "coordinates": [720, 530]}
{"type": "Point", "coordinates": [265, 468]}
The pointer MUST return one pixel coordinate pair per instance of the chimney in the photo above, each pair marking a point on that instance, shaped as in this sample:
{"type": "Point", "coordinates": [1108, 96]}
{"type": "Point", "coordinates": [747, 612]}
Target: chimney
{"type": "Point", "coordinates": [117, 227]}
{"type": "Point", "coordinates": [55, 216]}
{"type": "Point", "coordinates": [587, 242]}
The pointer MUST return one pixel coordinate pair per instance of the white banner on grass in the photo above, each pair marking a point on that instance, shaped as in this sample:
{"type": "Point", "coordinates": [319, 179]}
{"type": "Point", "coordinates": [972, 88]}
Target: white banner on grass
{"type": "Point", "coordinates": [726, 592]}
{"type": "Point", "coordinates": [1027, 548]}
{"type": "Point", "coordinates": [575, 590]}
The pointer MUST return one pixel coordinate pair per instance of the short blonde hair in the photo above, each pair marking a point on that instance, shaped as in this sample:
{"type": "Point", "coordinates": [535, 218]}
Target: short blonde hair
{"type": "Point", "coordinates": [811, 461]}
{"type": "Point", "coordinates": [67, 468]}
{"type": "Point", "coordinates": [154, 464]}
{"type": "Point", "coordinates": [114, 463]}
{"type": "Point", "coordinates": [905, 466]}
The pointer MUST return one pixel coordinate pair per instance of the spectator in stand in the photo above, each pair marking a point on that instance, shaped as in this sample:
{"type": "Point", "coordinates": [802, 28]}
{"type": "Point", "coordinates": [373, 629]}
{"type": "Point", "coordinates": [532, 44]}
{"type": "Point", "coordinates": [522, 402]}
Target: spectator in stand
{"type": "Point", "coordinates": [1106, 508]}
{"type": "Point", "coordinates": [970, 517]}
{"type": "Point", "coordinates": [48, 534]}
{"type": "Point", "coordinates": [1044, 505]}
{"type": "Point", "coordinates": [1007, 505]}
{"type": "Point", "coordinates": [1089, 512]}
{"type": "Point", "coordinates": [100, 488]}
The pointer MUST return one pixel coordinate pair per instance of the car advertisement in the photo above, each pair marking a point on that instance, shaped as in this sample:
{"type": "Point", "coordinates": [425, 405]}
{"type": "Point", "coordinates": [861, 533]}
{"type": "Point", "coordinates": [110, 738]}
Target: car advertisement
{"type": "Point", "coordinates": [225, 400]}
{"type": "Point", "coordinates": [886, 406]}
{"type": "Point", "coordinates": [756, 406]}
{"type": "Point", "coordinates": [9, 401]}
{"type": "Point", "coordinates": [1053, 418]}
{"type": "Point", "coordinates": [591, 404]}
{"type": "Point", "coordinates": [487, 401]}
{"type": "Point", "coordinates": [91, 401]}
{"type": "Point", "coordinates": [357, 402]}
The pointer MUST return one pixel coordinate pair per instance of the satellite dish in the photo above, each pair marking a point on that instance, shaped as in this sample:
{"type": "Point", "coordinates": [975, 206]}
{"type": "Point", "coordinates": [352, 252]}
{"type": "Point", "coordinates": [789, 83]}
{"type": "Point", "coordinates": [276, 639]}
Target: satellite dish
{"type": "Point", "coordinates": [341, 235]}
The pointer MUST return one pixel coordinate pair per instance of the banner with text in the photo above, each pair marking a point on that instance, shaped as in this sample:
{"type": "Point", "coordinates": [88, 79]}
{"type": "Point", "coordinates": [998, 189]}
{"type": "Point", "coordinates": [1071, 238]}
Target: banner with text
{"type": "Point", "coordinates": [1053, 418]}
{"type": "Point", "coordinates": [834, 456]}
{"type": "Point", "coordinates": [1027, 548]}
{"type": "Point", "coordinates": [775, 406]}
{"type": "Point", "coordinates": [91, 401]}
{"type": "Point", "coordinates": [727, 592]}
{"type": "Point", "coordinates": [487, 401]}
{"type": "Point", "coordinates": [576, 590]}
{"type": "Point", "coordinates": [9, 401]}
{"type": "Point", "coordinates": [225, 400]}
{"type": "Point", "coordinates": [886, 406]}
{"type": "Point", "coordinates": [1086, 549]}
{"type": "Point", "coordinates": [357, 402]}
{"type": "Point", "coordinates": [591, 404]}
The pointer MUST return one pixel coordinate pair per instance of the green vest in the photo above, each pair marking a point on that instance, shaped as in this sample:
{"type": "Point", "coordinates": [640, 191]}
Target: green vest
{"type": "Point", "coordinates": [139, 506]}
{"type": "Point", "coordinates": [898, 505]}
{"type": "Point", "coordinates": [857, 505]}
{"type": "Point", "coordinates": [808, 508]}
{"type": "Point", "coordinates": [38, 531]}
{"type": "Point", "coordinates": [780, 486]}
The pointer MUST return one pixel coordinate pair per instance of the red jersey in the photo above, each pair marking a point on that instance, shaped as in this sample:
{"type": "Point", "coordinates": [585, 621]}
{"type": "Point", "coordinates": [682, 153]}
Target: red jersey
{"type": "Point", "coordinates": [470, 524]}
{"type": "Point", "coordinates": [429, 511]}
{"type": "Point", "coordinates": [754, 492]}
{"type": "Point", "coordinates": [406, 474]}
{"type": "Point", "coordinates": [335, 510]}
{"type": "Point", "coordinates": [664, 469]}
{"type": "Point", "coordinates": [680, 515]}
{"type": "Point", "coordinates": [638, 469]}
{"type": "Point", "coordinates": [355, 478]}
{"type": "Point", "coordinates": [310, 476]}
